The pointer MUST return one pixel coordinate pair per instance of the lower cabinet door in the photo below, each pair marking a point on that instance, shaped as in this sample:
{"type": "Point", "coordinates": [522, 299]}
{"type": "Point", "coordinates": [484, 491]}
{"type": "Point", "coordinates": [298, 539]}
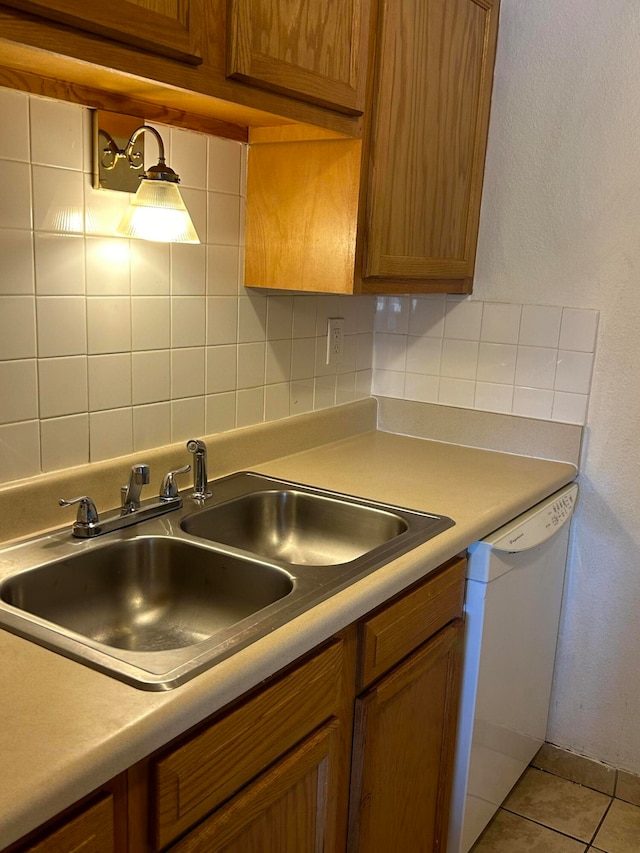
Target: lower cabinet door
{"type": "Point", "coordinates": [403, 751]}
{"type": "Point", "coordinates": [291, 808]}
{"type": "Point", "coordinates": [91, 831]}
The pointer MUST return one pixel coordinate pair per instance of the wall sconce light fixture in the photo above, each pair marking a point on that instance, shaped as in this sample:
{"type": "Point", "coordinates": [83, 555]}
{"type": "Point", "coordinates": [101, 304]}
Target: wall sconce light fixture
{"type": "Point", "coordinates": [157, 211]}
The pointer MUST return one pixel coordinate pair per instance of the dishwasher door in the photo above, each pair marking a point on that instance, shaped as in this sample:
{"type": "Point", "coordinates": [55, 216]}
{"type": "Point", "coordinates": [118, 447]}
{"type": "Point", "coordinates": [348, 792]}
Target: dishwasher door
{"type": "Point", "coordinates": [512, 611]}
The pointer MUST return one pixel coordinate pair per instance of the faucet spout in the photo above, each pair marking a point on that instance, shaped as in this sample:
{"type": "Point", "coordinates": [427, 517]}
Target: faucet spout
{"type": "Point", "coordinates": [138, 477]}
{"type": "Point", "coordinates": [200, 479]}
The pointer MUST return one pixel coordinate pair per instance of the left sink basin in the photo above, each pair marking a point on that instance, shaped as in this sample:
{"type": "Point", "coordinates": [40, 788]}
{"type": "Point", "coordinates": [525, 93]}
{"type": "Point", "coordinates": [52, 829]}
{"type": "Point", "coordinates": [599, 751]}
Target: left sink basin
{"type": "Point", "coordinates": [152, 610]}
{"type": "Point", "coordinates": [147, 594]}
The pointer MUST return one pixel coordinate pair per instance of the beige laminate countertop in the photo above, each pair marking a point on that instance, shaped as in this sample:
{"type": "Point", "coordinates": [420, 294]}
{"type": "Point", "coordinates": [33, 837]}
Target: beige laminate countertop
{"type": "Point", "coordinates": [65, 729]}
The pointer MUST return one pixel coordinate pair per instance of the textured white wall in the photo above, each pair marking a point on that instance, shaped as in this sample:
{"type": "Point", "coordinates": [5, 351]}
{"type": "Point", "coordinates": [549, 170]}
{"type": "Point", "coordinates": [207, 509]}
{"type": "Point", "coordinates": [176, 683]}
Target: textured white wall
{"type": "Point", "coordinates": [561, 226]}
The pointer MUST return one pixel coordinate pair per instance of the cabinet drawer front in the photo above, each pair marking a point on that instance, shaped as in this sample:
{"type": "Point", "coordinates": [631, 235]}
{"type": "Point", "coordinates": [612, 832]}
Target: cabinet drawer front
{"type": "Point", "coordinates": [293, 804]}
{"type": "Point", "coordinates": [391, 634]}
{"type": "Point", "coordinates": [196, 777]}
{"type": "Point", "coordinates": [89, 832]}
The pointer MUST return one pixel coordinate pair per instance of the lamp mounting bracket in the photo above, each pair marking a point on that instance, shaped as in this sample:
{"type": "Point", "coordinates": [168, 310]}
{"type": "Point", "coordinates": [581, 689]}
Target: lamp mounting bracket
{"type": "Point", "coordinates": [117, 162]}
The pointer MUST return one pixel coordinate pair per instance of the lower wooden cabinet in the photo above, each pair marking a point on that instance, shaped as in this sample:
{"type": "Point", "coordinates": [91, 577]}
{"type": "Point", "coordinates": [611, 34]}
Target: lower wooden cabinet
{"type": "Point", "coordinates": [292, 808]}
{"type": "Point", "coordinates": [90, 831]}
{"type": "Point", "coordinates": [188, 781]}
{"type": "Point", "coordinates": [403, 751]}
{"type": "Point", "coordinates": [349, 748]}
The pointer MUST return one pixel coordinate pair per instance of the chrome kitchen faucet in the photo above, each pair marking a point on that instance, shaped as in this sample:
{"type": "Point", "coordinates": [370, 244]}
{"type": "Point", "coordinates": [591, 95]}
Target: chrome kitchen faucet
{"type": "Point", "coordinates": [200, 479]}
{"type": "Point", "coordinates": [89, 524]}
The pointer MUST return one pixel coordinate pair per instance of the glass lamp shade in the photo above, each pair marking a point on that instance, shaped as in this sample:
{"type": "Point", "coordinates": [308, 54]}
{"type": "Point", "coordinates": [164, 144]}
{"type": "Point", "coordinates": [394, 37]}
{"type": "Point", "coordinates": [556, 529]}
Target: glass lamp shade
{"type": "Point", "coordinates": [157, 212]}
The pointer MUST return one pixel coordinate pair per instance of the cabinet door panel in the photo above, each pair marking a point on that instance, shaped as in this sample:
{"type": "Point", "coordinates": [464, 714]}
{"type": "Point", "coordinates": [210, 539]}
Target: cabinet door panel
{"type": "Point", "coordinates": [168, 27]}
{"type": "Point", "coordinates": [315, 50]}
{"type": "Point", "coordinates": [431, 110]}
{"type": "Point", "coordinates": [197, 776]}
{"type": "Point", "coordinates": [92, 831]}
{"type": "Point", "coordinates": [403, 752]}
{"type": "Point", "coordinates": [290, 809]}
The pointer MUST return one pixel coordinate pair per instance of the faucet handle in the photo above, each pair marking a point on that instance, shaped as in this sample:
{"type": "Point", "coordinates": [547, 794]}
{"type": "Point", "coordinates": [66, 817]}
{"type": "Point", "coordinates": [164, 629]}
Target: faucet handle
{"type": "Point", "coordinates": [169, 487]}
{"type": "Point", "coordinates": [87, 513]}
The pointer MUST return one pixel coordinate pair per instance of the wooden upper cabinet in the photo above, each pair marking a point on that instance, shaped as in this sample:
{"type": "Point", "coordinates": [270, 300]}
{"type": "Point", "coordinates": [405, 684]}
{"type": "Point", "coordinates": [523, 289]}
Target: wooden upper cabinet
{"type": "Point", "coordinates": [312, 50]}
{"type": "Point", "coordinates": [167, 27]}
{"type": "Point", "coordinates": [430, 118]}
{"type": "Point", "coordinates": [400, 214]}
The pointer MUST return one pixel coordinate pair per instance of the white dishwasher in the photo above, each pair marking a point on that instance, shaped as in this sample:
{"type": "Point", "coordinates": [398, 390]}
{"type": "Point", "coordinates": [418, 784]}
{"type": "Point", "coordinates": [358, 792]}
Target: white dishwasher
{"type": "Point", "coordinates": [512, 610]}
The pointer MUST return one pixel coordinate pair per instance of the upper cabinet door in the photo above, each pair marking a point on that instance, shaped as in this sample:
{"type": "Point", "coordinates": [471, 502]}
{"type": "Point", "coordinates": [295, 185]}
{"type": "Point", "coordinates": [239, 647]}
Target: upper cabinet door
{"type": "Point", "coordinates": [313, 50]}
{"type": "Point", "coordinates": [428, 139]}
{"type": "Point", "coordinates": [168, 27]}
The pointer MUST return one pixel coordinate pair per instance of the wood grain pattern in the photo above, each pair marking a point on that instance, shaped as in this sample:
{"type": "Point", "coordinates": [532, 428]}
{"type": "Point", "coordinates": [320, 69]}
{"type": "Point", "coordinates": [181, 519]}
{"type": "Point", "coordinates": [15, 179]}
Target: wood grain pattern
{"type": "Point", "coordinates": [428, 141]}
{"type": "Point", "coordinates": [302, 201]}
{"type": "Point", "coordinates": [399, 628]}
{"type": "Point", "coordinates": [92, 831]}
{"type": "Point", "coordinates": [315, 50]}
{"type": "Point", "coordinates": [88, 96]}
{"type": "Point", "coordinates": [289, 809]}
{"type": "Point", "coordinates": [168, 27]}
{"type": "Point", "coordinates": [194, 778]}
{"type": "Point", "coordinates": [76, 58]}
{"type": "Point", "coordinates": [403, 752]}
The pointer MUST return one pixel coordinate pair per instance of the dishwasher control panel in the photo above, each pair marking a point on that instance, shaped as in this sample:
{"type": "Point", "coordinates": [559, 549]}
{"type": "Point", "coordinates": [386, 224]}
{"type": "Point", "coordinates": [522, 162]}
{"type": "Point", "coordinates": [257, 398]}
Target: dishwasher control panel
{"type": "Point", "coordinates": [538, 524]}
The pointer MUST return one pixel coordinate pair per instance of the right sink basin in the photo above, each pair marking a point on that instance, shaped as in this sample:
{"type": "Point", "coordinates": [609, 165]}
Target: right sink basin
{"type": "Point", "coordinates": [298, 525]}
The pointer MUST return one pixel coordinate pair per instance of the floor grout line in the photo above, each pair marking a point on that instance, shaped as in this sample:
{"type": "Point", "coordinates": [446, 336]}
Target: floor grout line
{"type": "Point", "coordinates": [551, 828]}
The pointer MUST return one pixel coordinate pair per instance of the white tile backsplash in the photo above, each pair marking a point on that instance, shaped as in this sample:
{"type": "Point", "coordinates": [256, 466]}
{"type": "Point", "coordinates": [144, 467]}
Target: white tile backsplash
{"type": "Point", "coordinates": [62, 325]}
{"type": "Point", "coordinates": [531, 360]}
{"type": "Point", "coordinates": [223, 213]}
{"type": "Point", "coordinates": [223, 271]}
{"type": "Point", "coordinates": [463, 319]}
{"type": "Point", "coordinates": [249, 406]}
{"type": "Point", "coordinates": [536, 367]}
{"type": "Point", "coordinates": [188, 269]}
{"type": "Point", "coordinates": [151, 426]}
{"type": "Point", "coordinates": [187, 372]}
{"type": "Point", "coordinates": [18, 391]}
{"type": "Point", "coordinates": [109, 381]}
{"type": "Point", "coordinates": [150, 322]}
{"type": "Point", "coordinates": [88, 320]}
{"type": "Point", "coordinates": [151, 376]}
{"type": "Point", "coordinates": [110, 345]}
{"type": "Point", "coordinates": [17, 327]}
{"type": "Point", "coordinates": [189, 157]}
{"type": "Point", "coordinates": [500, 323]}
{"type": "Point", "coordinates": [14, 127]}
{"type": "Point", "coordinates": [15, 198]}
{"type": "Point", "coordinates": [58, 200]}
{"type": "Point", "coordinates": [220, 412]}
{"type": "Point", "coordinates": [111, 434]}
{"type": "Point", "coordinates": [60, 264]}
{"type": "Point", "coordinates": [109, 264]}
{"type": "Point", "coordinates": [188, 321]}
{"type": "Point", "coordinates": [109, 325]}
{"type": "Point", "coordinates": [224, 166]}
{"type": "Point", "coordinates": [64, 442]}
{"type": "Point", "coordinates": [16, 251]}
{"type": "Point", "coordinates": [578, 329]}
{"type": "Point", "coordinates": [56, 134]}
{"type": "Point", "coordinates": [540, 326]}
{"type": "Point", "coordinates": [62, 384]}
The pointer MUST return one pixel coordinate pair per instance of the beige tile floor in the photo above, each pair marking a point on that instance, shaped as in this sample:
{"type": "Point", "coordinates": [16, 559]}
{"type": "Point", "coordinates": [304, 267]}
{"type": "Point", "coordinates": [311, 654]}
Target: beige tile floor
{"type": "Point", "coordinates": [548, 814]}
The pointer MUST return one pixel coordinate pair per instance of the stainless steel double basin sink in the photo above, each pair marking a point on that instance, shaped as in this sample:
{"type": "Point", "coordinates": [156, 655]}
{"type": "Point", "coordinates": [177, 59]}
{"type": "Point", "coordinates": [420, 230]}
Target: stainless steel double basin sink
{"type": "Point", "coordinates": [159, 602]}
